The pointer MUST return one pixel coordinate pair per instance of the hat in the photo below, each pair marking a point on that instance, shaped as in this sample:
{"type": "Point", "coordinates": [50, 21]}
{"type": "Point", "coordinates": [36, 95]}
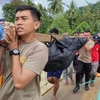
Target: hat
{"type": "Point", "coordinates": [2, 32]}
{"type": "Point", "coordinates": [95, 37]}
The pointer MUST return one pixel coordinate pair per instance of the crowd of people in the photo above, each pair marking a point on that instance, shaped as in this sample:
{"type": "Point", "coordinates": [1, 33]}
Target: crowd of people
{"type": "Point", "coordinates": [85, 63]}
{"type": "Point", "coordinates": [23, 58]}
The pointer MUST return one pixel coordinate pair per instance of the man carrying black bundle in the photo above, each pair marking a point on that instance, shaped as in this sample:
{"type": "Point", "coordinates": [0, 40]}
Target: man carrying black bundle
{"type": "Point", "coordinates": [84, 62]}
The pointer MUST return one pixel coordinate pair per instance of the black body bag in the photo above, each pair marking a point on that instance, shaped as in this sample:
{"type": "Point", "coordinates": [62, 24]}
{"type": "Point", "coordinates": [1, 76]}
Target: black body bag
{"type": "Point", "coordinates": [62, 52]}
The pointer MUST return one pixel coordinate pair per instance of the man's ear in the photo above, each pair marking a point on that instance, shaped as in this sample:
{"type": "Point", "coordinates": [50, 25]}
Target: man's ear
{"type": "Point", "coordinates": [37, 24]}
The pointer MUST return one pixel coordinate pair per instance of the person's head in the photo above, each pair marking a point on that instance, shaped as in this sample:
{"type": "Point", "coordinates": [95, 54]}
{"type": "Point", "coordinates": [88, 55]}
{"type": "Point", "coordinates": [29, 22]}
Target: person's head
{"type": "Point", "coordinates": [54, 31]}
{"type": "Point", "coordinates": [65, 34]}
{"type": "Point", "coordinates": [27, 19]}
{"type": "Point", "coordinates": [98, 34]}
{"type": "Point", "coordinates": [95, 38]}
{"type": "Point", "coordinates": [87, 33]}
{"type": "Point", "coordinates": [81, 34]}
{"type": "Point", "coordinates": [75, 34]}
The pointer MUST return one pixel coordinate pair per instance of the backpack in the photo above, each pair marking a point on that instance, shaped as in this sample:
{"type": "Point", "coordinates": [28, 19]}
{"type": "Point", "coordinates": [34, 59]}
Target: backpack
{"type": "Point", "coordinates": [62, 52]}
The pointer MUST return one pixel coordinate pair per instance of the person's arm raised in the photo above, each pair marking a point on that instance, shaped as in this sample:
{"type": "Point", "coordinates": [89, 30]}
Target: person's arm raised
{"type": "Point", "coordinates": [88, 47]}
{"type": "Point", "coordinates": [21, 76]}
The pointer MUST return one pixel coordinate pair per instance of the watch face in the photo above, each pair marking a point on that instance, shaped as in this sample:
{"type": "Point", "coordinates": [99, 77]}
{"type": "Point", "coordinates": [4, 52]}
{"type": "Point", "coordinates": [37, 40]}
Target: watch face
{"type": "Point", "coordinates": [15, 51]}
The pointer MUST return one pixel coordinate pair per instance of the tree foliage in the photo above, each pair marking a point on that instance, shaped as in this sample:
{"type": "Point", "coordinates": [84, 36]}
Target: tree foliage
{"type": "Point", "coordinates": [72, 13]}
{"type": "Point", "coordinates": [73, 19]}
{"type": "Point", "coordinates": [56, 6]}
{"type": "Point", "coordinates": [9, 10]}
{"type": "Point", "coordinates": [61, 23]}
{"type": "Point", "coordinates": [82, 27]}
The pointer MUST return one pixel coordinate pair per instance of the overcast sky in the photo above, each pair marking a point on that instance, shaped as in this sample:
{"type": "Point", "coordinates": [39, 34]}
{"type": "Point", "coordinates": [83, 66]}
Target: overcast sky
{"type": "Point", "coordinates": [45, 3]}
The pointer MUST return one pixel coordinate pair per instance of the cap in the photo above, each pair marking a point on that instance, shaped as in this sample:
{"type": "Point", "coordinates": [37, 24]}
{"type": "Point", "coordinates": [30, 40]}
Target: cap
{"type": "Point", "coordinates": [2, 32]}
{"type": "Point", "coordinates": [95, 37]}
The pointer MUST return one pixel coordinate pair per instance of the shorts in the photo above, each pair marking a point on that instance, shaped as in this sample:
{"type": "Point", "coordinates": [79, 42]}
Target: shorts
{"type": "Point", "coordinates": [94, 68]}
{"type": "Point", "coordinates": [56, 73]}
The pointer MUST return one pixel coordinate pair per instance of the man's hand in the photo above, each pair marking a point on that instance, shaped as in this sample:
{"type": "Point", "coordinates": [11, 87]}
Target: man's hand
{"type": "Point", "coordinates": [11, 37]}
{"type": "Point", "coordinates": [88, 47]}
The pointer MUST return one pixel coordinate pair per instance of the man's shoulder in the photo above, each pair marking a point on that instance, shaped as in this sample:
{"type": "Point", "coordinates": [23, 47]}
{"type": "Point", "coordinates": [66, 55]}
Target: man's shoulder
{"type": "Point", "coordinates": [40, 44]}
{"type": "Point", "coordinates": [90, 42]}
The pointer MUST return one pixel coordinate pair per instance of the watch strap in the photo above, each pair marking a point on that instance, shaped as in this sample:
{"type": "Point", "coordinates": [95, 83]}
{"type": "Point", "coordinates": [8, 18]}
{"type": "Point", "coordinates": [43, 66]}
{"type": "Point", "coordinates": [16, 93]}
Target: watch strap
{"type": "Point", "coordinates": [12, 52]}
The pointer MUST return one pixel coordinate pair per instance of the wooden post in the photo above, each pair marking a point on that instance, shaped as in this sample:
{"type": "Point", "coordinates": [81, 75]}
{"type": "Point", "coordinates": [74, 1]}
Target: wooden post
{"type": "Point", "coordinates": [46, 37]}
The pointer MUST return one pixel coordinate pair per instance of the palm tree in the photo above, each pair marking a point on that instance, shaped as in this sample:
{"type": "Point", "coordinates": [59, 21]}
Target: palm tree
{"type": "Point", "coordinates": [14, 1]}
{"type": "Point", "coordinates": [29, 2]}
{"type": "Point", "coordinates": [88, 14]}
{"type": "Point", "coordinates": [42, 9]}
{"type": "Point", "coordinates": [72, 13]}
{"type": "Point", "coordinates": [56, 6]}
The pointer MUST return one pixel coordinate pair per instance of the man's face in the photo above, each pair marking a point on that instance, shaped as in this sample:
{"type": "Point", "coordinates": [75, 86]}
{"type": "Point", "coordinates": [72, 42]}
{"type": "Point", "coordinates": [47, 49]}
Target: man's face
{"type": "Point", "coordinates": [95, 41]}
{"type": "Point", "coordinates": [99, 34]}
{"type": "Point", "coordinates": [87, 34]}
{"type": "Point", "coordinates": [25, 23]}
{"type": "Point", "coordinates": [76, 34]}
{"type": "Point", "coordinates": [81, 35]}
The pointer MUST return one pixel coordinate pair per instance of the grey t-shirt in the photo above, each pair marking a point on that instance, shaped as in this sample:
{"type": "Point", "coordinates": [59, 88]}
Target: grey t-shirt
{"type": "Point", "coordinates": [33, 57]}
{"type": "Point", "coordinates": [85, 55]}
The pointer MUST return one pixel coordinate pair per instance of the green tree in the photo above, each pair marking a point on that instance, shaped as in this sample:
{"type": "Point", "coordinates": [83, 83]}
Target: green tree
{"type": "Point", "coordinates": [72, 13]}
{"type": "Point", "coordinates": [61, 23]}
{"type": "Point", "coordinates": [45, 23]}
{"type": "Point", "coordinates": [42, 9]}
{"type": "Point", "coordinates": [9, 10]}
{"type": "Point", "coordinates": [82, 27]}
{"type": "Point", "coordinates": [56, 6]}
{"type": "Point", "coordinates": [46, 18]}
{"type": "Point", "coordinates": [29, 2]}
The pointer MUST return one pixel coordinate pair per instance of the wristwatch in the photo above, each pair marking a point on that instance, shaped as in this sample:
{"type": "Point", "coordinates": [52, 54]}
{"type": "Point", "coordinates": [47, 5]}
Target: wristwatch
{"type": "Point", "coordinates": [15, 52]}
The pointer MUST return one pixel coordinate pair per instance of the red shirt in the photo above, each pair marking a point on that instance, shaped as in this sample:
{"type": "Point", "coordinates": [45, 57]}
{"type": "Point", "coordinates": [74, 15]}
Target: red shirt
{"type": "Point", "coordinates": [95, 53]}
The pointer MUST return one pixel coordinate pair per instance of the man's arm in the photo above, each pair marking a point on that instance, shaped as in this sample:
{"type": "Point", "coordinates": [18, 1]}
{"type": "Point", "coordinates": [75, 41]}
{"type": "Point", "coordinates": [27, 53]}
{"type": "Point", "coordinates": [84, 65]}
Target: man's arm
{"type": "Point", "coordinates": [21, 76]}
{"type": "Point", "coordinates": [33, 65]}
{"type": "Point", "coordinates": [88, 47]}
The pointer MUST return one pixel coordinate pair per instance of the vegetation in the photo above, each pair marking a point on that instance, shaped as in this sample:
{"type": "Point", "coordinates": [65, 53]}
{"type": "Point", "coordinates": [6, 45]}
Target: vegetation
{"type": "Point", "coordinates": [73, 19]}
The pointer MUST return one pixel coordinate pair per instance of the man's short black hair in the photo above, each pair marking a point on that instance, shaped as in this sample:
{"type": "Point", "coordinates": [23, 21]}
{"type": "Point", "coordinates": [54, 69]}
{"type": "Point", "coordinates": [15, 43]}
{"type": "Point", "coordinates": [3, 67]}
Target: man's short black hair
{"type": "Point", "coordinates": [35, 13]}
{"type": "Point", "coordinates": [81, 33]}
{"type": "Point", "coordinates": [86, 30]}
{"type": "Point", "coordinates": [75, 33]}
{"type": "Point", "coordinates": [54, 30]}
